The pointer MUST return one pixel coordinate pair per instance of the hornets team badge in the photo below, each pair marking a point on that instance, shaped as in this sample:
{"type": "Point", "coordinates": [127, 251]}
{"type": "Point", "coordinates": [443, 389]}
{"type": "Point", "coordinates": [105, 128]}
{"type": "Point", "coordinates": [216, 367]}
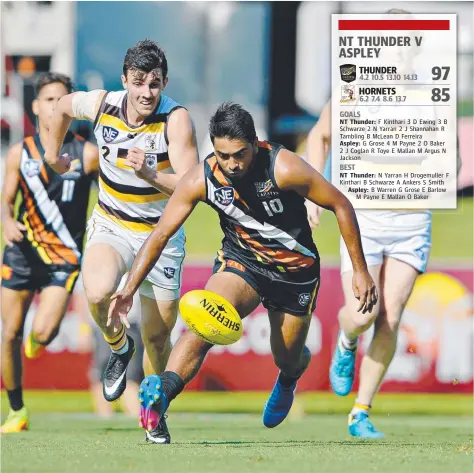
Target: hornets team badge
{"type": "Point", "coordinates": [348, 72]}
{"type": "Point", "coordinates": [150, 142]}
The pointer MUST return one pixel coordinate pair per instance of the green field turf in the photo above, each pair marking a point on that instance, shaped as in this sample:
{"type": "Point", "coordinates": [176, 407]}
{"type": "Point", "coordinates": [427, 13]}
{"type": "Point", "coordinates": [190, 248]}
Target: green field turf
{"type": "Point", "coordinates": [60, 443]}
{"type": "Point", "coordinates": [252, 402]}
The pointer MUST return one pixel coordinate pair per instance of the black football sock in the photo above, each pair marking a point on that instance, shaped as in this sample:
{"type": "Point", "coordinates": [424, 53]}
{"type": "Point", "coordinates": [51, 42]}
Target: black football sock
{"type": "Point", "coordinates": [15, 396]}
{"type": "Point", "coordinates": [287, 381]}
{"type": "Point", "coordinates": [172, 384]}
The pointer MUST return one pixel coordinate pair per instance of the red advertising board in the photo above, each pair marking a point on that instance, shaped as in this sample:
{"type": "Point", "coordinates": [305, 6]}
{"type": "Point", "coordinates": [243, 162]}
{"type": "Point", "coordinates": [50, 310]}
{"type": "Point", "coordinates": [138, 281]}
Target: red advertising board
{"type": "Point", "coordinates": [434, 351]}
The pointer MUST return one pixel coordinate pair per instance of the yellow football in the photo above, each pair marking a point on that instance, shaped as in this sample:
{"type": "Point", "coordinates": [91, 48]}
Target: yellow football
{"type": "Point", "coordinates": [211, 317]}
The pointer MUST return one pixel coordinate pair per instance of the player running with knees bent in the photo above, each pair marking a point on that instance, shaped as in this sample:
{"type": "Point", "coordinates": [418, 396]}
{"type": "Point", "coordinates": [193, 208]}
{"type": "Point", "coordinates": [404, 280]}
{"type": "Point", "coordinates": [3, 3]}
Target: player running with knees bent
{"type": "Point", "coordinates": [43, 242]}
{"type": "Point", "coordinates": [268, 255]}
{"type": "Point", "coordinates": [147, 143]}
{"type": "Point", "coordinates": [396, 245]}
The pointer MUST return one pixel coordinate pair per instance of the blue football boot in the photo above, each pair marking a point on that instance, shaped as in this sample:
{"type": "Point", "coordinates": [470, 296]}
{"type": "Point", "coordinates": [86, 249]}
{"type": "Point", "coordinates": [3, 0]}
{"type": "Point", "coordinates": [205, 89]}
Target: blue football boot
{"type": "Point", "coordinates": [341, 373]}
{"type": "Point", "coordinates": [361, 426]}
{"type": "Point", "coordinates": [278, 404]}
{"type": "Point", "coordinates": [153, 405]}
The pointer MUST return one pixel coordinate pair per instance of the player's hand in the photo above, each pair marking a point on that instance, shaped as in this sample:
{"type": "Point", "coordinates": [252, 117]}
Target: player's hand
{"type": "Point", "coordinates": [119, 308]}
{"type": "Point", "coordinates": [314, 211]}
{"type": "Point", "coordinates": [136, 159]}
{"type": "Point", "coordinates": [61, 165]}
{"type": "Point", "coordinates": [364, 290]}
{"type": "Point", "coordinates": [12, 231]}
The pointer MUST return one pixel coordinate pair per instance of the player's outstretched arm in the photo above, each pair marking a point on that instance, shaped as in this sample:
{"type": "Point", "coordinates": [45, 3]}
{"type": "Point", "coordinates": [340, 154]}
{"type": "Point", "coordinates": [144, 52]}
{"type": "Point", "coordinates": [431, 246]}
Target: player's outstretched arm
{"type": "Point", "coordinates": [319, 140]}
{"type": "Point", "coordinates": [12, 230]}
{"type": "Point", "coordinates": [317, 151]}
{"type": "Point", "coordinates": [91, 159]}
{"type": "Point", "coordinates": [182, 152]}
{"type": "Point", "coordinates": [190, 190]}
{"type": "Point", "coordinates": [79, 106]}
{"type": "Point", "coordinates": [292, 173]}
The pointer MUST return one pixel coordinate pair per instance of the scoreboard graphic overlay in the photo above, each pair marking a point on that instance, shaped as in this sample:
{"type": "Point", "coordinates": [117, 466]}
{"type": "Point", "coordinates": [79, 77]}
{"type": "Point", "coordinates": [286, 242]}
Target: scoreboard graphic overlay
{"type": "Point", "coordinates": [394, 110]}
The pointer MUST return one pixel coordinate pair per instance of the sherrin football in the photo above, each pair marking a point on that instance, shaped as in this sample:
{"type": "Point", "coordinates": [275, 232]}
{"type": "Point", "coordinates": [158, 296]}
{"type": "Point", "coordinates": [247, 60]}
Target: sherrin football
{"type": "Point", "coordinates": [211, 317]}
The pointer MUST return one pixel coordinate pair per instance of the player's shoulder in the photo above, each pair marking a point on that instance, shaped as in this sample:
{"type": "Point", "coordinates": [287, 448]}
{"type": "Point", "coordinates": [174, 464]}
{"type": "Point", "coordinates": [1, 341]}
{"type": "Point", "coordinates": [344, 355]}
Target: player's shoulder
{"type": "Point", "coordinates": [17, 148]}
{"type": "Point", "coordinates": [168, 105]}
{"type": "Point", "coordinates": [114, 97]}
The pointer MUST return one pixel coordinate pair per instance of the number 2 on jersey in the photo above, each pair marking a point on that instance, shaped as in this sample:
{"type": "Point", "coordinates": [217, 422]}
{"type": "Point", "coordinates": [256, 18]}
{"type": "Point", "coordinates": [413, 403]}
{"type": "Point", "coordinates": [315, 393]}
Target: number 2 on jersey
{"type": "Point", "coordinates": [273, 206]}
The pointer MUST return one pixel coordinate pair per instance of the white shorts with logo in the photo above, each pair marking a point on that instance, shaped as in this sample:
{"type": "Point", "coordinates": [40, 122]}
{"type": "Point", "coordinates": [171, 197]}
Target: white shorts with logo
{"type": "Point", "coordinates": [164, 280]}
{"type": "Point", "coordinates": [399, 235]}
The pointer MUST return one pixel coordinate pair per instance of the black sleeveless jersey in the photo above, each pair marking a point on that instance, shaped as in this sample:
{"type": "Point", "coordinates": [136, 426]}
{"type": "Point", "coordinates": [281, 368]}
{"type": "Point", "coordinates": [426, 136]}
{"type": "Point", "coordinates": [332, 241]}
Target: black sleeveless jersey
{"type": "Point", "coordinates": [54, 207]}
{"type": "Point", "coordinates": [261, 223]}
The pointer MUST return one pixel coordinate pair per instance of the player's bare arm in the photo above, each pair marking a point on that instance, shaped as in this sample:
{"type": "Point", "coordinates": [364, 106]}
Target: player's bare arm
{"type": "Point", "coordinates": [12, 230]}
{"type": "Point", "coordinates": [319, 140]}
{"type": "Point", "coordinates": [317, 151]}
{"type": "Point", "coordinates": [91, 158]}
{"type": "Point", "coordinates": [190, 190]}
{"type": "Point", "coordinates": [182, 151]}
{"type": "Point", "coordinates": [75, 106]}
{"type": "Point", "coordinates": [292, 173]}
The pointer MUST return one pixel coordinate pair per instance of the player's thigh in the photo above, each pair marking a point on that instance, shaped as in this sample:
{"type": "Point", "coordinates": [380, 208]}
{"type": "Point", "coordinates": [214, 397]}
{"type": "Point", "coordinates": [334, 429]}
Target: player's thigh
{"type": "Point", "coordinates": [398, 279]}
{"type": "Point", "coordinates": [14, 305]}
{"type": "Point", "coordinates": [53, 303]}
{"type": "Point", "coordinates": [102, 269]}
{"type": "Point", "coordinates": [288, 335]}
{"type": "Point", "coordinates": [352, 303]}
{"type": "Point", "coordinates": [236, 288]}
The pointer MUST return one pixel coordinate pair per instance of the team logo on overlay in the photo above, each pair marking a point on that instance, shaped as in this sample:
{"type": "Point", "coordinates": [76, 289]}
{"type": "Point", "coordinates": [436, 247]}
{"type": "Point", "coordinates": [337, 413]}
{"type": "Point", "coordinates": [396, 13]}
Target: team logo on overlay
{"type": "Point", "coordinates": [224, 195]}
{"type": "Point", "coordinates": [347, 93]}
{"type": "Point", "coordinates": [109, 134]}
{"type": "Point", "coordinates": [304, 299]}
{"type": "Point", "coordinates": [348, 72]}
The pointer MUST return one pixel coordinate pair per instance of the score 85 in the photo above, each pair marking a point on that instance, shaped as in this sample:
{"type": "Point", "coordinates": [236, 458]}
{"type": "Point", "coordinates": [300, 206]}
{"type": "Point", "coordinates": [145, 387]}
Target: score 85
{"type": "Point", "coordinates": [440, 94]}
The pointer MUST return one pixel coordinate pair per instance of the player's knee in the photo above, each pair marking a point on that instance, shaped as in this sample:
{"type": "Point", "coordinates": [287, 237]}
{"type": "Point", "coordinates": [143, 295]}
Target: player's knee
{"type": "Point", "coordinates": [11, 334]}
{"type": "Point", "coordinates": [361, 321]}
{"type": "Point", "coordinates": [388, 323]}
{"type": "Point", "coordinates": [159, 339]}
{"type": "Point", "coordinates": [45, 335]}
{"type": "Point", "coordinates": [98, 294]}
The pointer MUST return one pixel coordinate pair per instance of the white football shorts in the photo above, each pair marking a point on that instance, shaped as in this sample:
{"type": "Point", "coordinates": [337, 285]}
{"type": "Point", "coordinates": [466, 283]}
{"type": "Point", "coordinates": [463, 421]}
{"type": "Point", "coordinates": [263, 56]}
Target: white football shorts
{"type": "Point", "coordinates": [402, 237]}
{"type": "Point", "coordinates": [163, 283]}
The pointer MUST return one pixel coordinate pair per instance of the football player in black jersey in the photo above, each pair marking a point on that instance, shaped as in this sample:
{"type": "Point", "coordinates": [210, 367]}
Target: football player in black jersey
{"type": "Point", "coordinates": [43, 240]}
{"type": "Point", "coordinates": [268, 255]}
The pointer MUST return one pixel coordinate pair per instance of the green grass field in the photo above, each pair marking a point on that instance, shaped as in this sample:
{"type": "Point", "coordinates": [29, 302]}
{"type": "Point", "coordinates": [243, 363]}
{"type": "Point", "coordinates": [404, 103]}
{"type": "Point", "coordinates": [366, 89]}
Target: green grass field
{"type": "Point", "coordinates": [70, 439]}
{"type": "Point", "coordinates": [238, 443]}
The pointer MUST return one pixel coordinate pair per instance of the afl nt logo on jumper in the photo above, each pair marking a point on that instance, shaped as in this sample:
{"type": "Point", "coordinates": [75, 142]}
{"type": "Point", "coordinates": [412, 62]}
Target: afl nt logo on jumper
{"type": "Point", "coordinates": [224, 195]}
{"type": "Point", "coordinates": [109, 134]}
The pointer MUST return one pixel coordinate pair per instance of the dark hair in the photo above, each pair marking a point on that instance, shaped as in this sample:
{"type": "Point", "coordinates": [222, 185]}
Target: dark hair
{"type": "Point", "coordinates": [145, 56]}
{"type": "Point", "coordinates": [232, 121]}
{"type": "Point", "coordinates": [47, 78]}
